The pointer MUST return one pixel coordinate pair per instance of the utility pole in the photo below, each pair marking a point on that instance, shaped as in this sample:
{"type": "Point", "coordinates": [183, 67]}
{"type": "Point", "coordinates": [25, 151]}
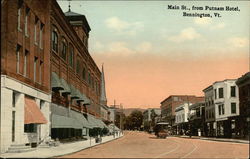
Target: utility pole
{"type": "Point", "coordinates": [121, 111]}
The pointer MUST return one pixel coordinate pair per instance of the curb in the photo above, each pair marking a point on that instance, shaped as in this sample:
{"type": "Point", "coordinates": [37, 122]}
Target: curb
{"type": "Point", "coordinates": [220, 140]}
{"type": "Point", "coordinates": [85, 148]}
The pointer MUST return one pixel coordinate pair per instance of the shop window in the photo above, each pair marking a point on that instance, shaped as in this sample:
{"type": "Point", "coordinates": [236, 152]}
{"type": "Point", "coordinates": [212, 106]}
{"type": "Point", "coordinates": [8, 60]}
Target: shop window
{"type": "Point", "coordinates": [30, 128]}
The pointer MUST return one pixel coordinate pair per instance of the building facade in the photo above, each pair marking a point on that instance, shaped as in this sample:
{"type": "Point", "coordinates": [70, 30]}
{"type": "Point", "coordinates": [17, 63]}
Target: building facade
{"type": "Point", "coordinates": [196, 119]}
{"type": "Point", "coordinates": [169, 104]}
{"type": "Point", "coordinates": [25, 73]}
{"type": "Point", "coordinates": [209, 111]}
{"type": "Point", "coordinates": [226, 102]}
{"type": "Point", "coordinates": [243, 121]}
{"type": "Point", "coordinates": [181, 118]}
{"type": "Point", "coordinates": [75, 78]}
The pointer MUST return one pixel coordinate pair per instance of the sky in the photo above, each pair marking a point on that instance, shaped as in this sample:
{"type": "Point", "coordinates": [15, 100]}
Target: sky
{"type": "Point", "coordinates": [150, 52]}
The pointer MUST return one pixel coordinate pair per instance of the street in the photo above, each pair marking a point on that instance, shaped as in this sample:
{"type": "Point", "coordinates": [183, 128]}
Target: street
{"type": "Point", "coordinates": [142, 145]}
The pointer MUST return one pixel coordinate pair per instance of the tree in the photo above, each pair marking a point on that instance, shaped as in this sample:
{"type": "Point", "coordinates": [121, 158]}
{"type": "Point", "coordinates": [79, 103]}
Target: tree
{"type": "Point", "coordinates": [153, 115]}
{"type": "Point", "coordinates": [136, 119]}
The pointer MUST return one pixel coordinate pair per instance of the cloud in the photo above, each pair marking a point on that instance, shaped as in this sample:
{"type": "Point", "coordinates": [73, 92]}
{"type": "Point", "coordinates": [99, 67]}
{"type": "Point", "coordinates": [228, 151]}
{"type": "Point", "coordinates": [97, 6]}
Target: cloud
{"type": "Point", "coordinates": [203, 21]}
{"type": "Point", "coordinates": [123, 27]}
{"type": "Point", "coordinates": [119, 48]}
{"type": "Point", "coordinates": [218, 26]}
{"type": "Point", "coordinates": [144, 47]}
{"type": "Point", "coordinates": [185, 35]}
{"type": "Point", "coordinates": [238, 41]}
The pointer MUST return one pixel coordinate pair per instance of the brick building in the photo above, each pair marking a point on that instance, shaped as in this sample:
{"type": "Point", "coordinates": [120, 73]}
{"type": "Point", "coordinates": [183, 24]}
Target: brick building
{"type": "Point", "coordinates": [169, 104]}
{"type": "Point", "coordinates": [25, 73]}
{"type": "Point", "coordinates": [75, 78]}
{"type": "Point", "coordinates": [50, 83]}
{"type": "Point", "coordinates": [244, 105]}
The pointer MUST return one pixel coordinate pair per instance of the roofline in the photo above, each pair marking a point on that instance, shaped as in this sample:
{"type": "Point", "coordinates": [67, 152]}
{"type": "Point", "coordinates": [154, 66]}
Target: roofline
{"type": "Point", "coordinates": [181, 96]}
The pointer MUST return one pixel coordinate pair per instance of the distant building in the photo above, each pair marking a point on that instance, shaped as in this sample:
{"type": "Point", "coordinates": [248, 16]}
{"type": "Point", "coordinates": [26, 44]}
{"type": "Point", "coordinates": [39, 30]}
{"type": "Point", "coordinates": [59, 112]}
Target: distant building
{"type": "Point", "coordinates": [196, 118]}
{"type": "Point", "coordinates": [210, 111]}
{"type": "Point", "coordinates": [169, 104]}
{"type": "Point", "coordinates": [181, 118]}
{"type": "Point", "coordinates": [244, 105]}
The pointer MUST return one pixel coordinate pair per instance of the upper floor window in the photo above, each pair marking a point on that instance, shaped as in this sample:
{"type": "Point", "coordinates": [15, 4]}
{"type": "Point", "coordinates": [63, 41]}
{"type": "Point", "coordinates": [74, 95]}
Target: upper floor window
{"type": "Point", "coordinates": [221, 95]}
{"type": "Point", "coordinates": [71, 56]}
{"type": "Point", "coordinates": [233, 91]}
{"type": "Point", "coordinates": [41, 36]}
{"type": "Point", "coordinates": [78, 66]}
{"type": "Point", "coordinates": [54, 41]}
{"type": "Point", "coordinates": [26, 21]}
{"type": "Point", "coordinates": [18, 49]}
{"type": "Point", "coordinates": [40, 71]}
{"type": "Point", "coordinates": [233, 108]}
{"type": "Point", "coordinates": [19, 14]}
{"type": "Point", "coordinates": [64, 49]}
{"type": "Point", "coordinates": [25, 63]}
{"type": "Point", "coordinates": [215, 94]}
{"type": "Point", "coordinates": [35, 63]}
{"type": "Point", "coordinates": [35, 29]}
{"type": "Point", "coordinates": [84, 73]}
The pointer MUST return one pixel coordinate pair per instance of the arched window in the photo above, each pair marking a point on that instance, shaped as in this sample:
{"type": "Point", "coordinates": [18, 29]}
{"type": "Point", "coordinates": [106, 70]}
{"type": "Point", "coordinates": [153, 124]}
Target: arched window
{"type": "Point", "coordinates": [71, 56]}
{"type": "Point", "coordinates": [84, 72]}
{"type": "Point", "coordinates": [54, 41]}
{"type": "Point", "coordinates": [64, 49]}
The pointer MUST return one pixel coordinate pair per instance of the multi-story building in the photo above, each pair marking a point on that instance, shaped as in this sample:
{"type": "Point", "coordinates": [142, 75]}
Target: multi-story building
{"type": "Point", "coordinates": [181, 118]}
{"type": "Point", "coordinates": [209, 111]}
{"type": "Point", "coordinates": [243, 122]}
{"type": "Point", "coordinates": [50, 83]}
{"type": "Point", "coordinates": [169, 104]}
{"type": "Point", "coordinates": [75, 78]}
{"type": "Point", "coordinates": [196, 118]}
{"type": "Point", "coordinates": [25, 73]}
{"type": "Point", "coordinates": [226, 102]}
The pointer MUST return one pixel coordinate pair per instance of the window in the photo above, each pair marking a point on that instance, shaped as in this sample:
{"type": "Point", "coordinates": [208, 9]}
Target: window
{"type": "Point", "coordinates": [41, 104]}
{"type": "Point", "coordinates": [40, 71]}
{"type": "Point", "coordinates": [222, 109]}
{"type": "Point", "coordinates": [219, 107]}
{"type": "Point", "coordinates": [54, 41]}
{"type": "Point", "coordinates": [233, 108]}
{"type": "Point", "coordinates": [89, 78]}
{"type": "Point", "coordinates": [35, 30]}
{"type": "Point", "coordinates": [233, 91]}
{"type": "Point", "coordinates": [84, 73]}
{"type": "Point", "coordinates": [64, 49]}
{"type": "Point", "coordinates": [25, 63]}
{"type": "Point", "coordinates": [41, 36]}
{"type": "Point", "coordinates": [30, 128]}
{"type": "Point", "coordinates": [215, 94]}
{"type": "Point", "coordinates": [71, 56]}
{"type": "Point", "coordinates": [13, 125]}
{"type": "Point", "coordinates": [19, 14]}
{"type": "Point", "coordinates": [26, 21]}
{"type": "Point", "coordinates": [14, 95]}
{"type": "Point", "coordinates": [221, 93]}
{"type": "Point", "coordinates": [35, 63]}
{"type": "Point", "coordinates": [78, 66]}
{"type": "Point", "coordinates": [18, 58]}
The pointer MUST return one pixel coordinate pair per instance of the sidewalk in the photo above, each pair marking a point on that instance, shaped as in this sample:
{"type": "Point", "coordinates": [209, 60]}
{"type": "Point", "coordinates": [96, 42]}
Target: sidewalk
{"type": "Point", "coordinates": [217, 139]}
{"type": "Point", "coordinates": [62, 149]}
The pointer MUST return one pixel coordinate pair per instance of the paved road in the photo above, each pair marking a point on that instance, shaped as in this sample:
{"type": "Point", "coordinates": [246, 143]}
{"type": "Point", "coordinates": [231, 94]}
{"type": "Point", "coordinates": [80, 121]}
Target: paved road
{"type": "Point", "coordinates": [143, 145]}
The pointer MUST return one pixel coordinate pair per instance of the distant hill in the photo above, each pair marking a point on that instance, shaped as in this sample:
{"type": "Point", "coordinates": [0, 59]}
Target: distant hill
{"type": "Point", "coordinates": [128, 111]}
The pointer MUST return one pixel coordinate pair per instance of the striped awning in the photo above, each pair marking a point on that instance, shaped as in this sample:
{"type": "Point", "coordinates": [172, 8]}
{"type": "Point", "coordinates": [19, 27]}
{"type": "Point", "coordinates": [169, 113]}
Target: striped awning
{"type": "Point", "coordinates": [32, 113]}
{"type": "Point", "coordinates": [55, 82]}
